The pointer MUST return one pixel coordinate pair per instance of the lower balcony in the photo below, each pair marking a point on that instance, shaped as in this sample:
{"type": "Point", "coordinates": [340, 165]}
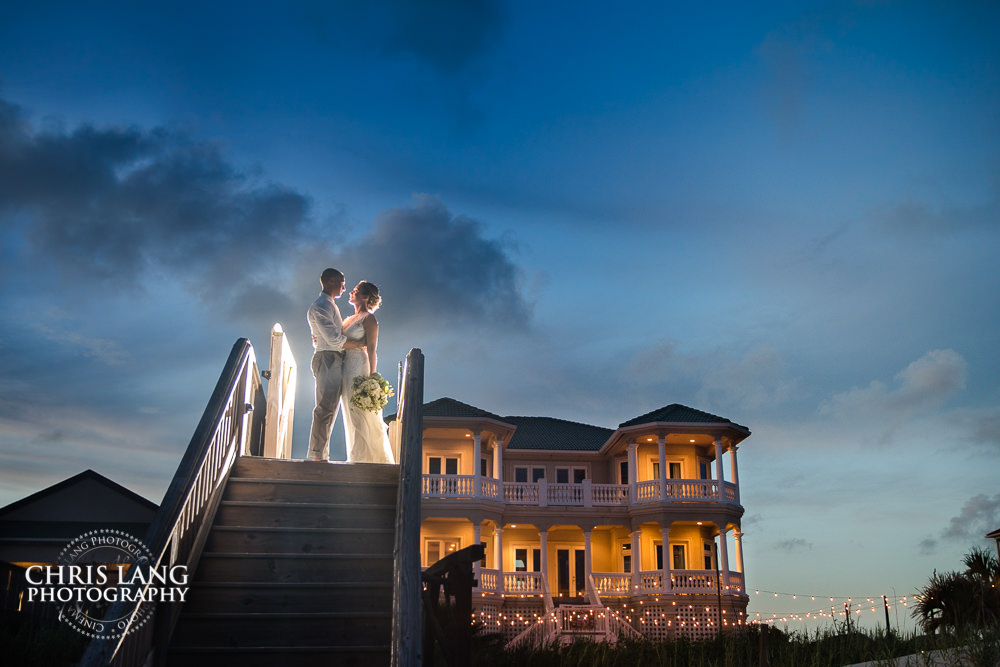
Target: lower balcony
{"type": "Point", "coordinates": [584, 494]}
{"type": "Point", "coordinates": [618, 584]}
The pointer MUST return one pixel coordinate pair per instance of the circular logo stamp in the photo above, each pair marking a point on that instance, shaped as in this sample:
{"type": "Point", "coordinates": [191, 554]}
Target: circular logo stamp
{"type": "Point", "coordinates": [96, 571]}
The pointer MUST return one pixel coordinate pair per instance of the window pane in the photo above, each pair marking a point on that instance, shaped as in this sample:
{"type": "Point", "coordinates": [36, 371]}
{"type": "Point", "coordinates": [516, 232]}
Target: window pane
{"type": "Point", "coordinates": [656, 470]}
{"type": "Point", "coordinates": [562, 475]}
{"type": "Point", "coordinates": [451, 466]}
{"type": "Point", "coordinates": [679, 563]}
{"type": "Point", "coordinates": [536, 560]}
{"type": "Point", "coordinates": [433, 552]}
{"type": "Point", "coordinates": [537, 474]}
{"type": "Point", "coordinates": [520, 560]}
{"type": "Point", "coordinates": [705, 470]}
{"type": "Point", "coordinates": [659, 556]}
{"type": "Point", "coordinates": [623, 472]}
{"type": "Point", "coordinates": [675, 470]}
{"type": "Point", "coordinates": [482, 467]}
{"type": "Point", "coordinates": [579, 474]}
{"type": "Point", "coordinates": [520, 474]}
{"type": "Point", "coordinates": [434, 465]}
{"type": "Point", "coordinates": [628, 563]}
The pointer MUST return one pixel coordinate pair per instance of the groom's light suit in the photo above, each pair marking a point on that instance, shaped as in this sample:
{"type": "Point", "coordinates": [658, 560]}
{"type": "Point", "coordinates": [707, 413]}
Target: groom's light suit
{"type": "Point", "coordinates": [327, 329]}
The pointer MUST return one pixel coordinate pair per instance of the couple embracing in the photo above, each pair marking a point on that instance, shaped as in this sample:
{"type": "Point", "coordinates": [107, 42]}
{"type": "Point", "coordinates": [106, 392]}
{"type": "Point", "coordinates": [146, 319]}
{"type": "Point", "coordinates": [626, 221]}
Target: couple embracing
{"type": "Point", "coordinates": [345, 350]}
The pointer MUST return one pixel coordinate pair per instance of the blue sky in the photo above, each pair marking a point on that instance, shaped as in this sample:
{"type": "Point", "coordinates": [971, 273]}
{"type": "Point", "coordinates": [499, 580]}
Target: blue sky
{"type": "Point", "coordinates": [786, 215]}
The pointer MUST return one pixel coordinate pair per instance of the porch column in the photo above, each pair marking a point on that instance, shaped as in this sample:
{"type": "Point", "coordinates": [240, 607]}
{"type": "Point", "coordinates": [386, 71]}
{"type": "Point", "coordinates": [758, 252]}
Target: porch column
{"type": "Point", "coordinates": [588, 568]}
{"type": "Point", "coordinates": [732, 466]}
{"type": "Point", "coordinates": [724, 558]}
{"type": "Point", "coordinates": [667, 585]}
{"type": "Point", "coordinates": [476, 539]}
{"type": "Point", "coordinates": [498, 465]}
{"type": "Point", "coordinates": [498, 543]}
{"type": "Point", "coordinates": [661, 445]}
{"type": "Point", "coordinates": [738, 543]}
{"type": "Point", "coordinates": [633, 472]}
{"type": "Point", "coordinates": [477, 452]}
{"type": "Point", "coordinates": [543, 538]}
{"type": "Point", "coordinates": [636, 560]}
{"type": "Point", "coordinates": [718, 466]}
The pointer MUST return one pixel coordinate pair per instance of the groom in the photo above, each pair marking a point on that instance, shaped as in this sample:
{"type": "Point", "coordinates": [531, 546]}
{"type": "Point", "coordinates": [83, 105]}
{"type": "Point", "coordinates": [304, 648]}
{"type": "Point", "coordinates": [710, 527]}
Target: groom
{"type": "Point", "coordinates": [329, 344]}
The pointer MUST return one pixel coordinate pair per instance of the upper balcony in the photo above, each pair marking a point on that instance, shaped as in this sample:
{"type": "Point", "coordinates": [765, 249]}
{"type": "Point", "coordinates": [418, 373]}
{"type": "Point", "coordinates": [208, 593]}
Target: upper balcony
{"type": "Point", "coordinates": [583, 494]}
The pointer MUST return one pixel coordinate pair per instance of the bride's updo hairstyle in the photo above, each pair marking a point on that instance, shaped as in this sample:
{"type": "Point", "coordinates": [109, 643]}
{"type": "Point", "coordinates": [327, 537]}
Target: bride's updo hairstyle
{"type": "Point", "coordinates": [370, 292]}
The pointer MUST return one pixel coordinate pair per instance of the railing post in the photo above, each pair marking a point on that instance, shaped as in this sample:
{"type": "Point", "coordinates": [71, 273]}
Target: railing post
{"type": "Point", "coordinates": [543, 492]}
{"type": "Point", "coordinates": [588, 492]}
{"type": "Point", "coordinates": [406, 612]}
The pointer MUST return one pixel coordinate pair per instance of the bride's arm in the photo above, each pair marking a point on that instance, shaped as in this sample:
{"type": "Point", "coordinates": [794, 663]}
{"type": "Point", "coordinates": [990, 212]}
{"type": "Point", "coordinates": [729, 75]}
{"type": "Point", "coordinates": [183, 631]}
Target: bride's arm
{"type": "Point", "coordinates": [371, 338]}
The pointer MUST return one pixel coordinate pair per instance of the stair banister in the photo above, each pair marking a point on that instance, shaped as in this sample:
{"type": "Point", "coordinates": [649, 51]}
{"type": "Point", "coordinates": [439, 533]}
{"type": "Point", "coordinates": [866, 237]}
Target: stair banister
{"type": "Point", "coordinates": [407, 632]}
{"type": "Point", "coordinates": [231, 425]}
{"type": "Point", "coordinates": [281, 379]}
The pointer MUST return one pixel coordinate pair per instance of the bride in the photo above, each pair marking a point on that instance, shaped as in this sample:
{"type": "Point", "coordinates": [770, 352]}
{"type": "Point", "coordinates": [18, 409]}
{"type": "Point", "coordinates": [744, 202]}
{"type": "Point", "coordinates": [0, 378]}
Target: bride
{"type": "Point", "coordinates": [367, 437]}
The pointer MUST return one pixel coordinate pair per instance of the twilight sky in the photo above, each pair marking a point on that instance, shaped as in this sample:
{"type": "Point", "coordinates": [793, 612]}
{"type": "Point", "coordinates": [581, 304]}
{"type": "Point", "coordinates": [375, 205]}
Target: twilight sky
{"type": "Point", "coordinates": [787, 215]}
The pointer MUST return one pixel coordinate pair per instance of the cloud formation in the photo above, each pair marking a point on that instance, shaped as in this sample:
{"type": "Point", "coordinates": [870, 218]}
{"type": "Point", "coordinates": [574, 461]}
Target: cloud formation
{"type": "Point", "coordinates": [445, 34]}
{"type": "Point", "coordinates": [438, 269]}
{"type": "Point", "coordinates": [110, 204]}
{"type": "Point", "coordinates": [926, 382]}
{"type": "Point", "coordinates": [979, 516]}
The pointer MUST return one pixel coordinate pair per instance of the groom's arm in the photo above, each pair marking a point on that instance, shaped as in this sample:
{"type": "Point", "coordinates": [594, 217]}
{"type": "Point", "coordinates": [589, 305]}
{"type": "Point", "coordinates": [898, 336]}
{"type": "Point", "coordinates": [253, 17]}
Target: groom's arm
{"type": "Point", "coordinates": [326, 327]}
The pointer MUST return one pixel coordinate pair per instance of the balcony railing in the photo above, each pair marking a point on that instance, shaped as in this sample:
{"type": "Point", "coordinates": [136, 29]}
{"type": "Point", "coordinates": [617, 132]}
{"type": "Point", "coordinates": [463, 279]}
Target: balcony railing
{"type": "Point", "coordinates": [610, 584]}
{"type": "Point", "coordinates": [585, 494]}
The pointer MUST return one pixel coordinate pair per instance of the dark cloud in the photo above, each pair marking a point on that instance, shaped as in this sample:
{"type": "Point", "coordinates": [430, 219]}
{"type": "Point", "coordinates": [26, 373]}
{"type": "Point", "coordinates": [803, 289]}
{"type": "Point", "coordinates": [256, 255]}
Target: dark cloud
{"type": "Point", "coordinates": [438, 269]}
{"type": "Point", "coordinates": [445, 34]}
{"type": "Point", "coordinates": [794, 545]}
{"type": "Point", "coordinates": [979, 516]}
{"type": "Point", "coordinates": [109, 204]}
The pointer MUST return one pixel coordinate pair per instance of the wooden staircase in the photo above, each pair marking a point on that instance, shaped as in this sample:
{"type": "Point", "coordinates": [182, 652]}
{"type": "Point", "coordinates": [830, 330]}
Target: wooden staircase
{"type": "Point", "coordinates": [297, 569]}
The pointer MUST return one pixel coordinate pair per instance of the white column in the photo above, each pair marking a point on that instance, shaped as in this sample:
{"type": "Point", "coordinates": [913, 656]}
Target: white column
{"type": "Point", "coordinates": [667, 585]}
{"type": "Point", "coordinates": [588, 568]}
{"type": "Point", "coordinates": [636, 559]}
{"type": "Point", "coordinates": [543, 538]}
{"type": "Point", "coordinates": [633, 472]}
{"type": "Point", "coordinates": [724, 558]}
{"type": "Point", "coordinates": [498, 543]}
{"type": "Point", "coordinates": [718, 466]}
{"type": "Point", "coordinates": [732, 466]}
{"type": "Point", "coordinates": [661, 445]}
{"type": "Point", "coordinates": [498, 467]}
{"type": "Point", "coordinates": [738, 542]}
{"type": "Point", "coordinates": [477, 452]}
{"type": "Point", "coordinates": [476, 539]}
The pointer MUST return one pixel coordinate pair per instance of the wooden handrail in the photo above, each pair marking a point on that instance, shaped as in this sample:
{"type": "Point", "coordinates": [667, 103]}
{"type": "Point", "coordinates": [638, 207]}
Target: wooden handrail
{"type": "Point", "coordinates": [231, 425]}
{"type": "Point", "coordinates": [407, 586]}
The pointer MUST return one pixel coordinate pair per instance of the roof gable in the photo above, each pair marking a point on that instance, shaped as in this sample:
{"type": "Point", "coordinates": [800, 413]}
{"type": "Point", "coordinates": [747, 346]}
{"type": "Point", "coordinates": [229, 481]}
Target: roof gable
{"type": "Point", "coordinates": [675, 412]}
{"type": "Point", "coordinates": [449, 407]}
{"type": "Point", "coordinates": [549, 433]}
{"type": "Point", "coordinates": [88, 496]}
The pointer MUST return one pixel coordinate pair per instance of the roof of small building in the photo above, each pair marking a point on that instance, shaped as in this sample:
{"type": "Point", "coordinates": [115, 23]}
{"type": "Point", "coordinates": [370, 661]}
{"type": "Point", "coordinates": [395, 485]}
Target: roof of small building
{"type": "Point", "coordinates": [550, 433]}
{"type": "Point", "coordinates": [680, 414]}
{"type": "Point", "coordinates": [449, 407]}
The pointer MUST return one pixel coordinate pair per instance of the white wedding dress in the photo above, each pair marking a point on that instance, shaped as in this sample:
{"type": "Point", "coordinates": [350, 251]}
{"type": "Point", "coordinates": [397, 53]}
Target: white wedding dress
{"type": "Point", "coordinates": [367, 435]}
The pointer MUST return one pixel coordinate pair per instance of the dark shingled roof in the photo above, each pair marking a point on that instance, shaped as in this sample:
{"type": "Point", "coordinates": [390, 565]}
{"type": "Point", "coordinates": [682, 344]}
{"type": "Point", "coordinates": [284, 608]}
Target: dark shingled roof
{"type": "Point", "coordinates": [681, 414]}
{"type": "Point", "coordinates": [551, 433]}
{"type": "Point", "coordinates": [449, 407]}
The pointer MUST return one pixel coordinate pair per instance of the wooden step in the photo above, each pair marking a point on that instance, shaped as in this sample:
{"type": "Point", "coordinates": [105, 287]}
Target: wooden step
{"type": "Point", "coordinates": [258, 467]}
{"type": "Point", "coordinates": [277, 539]}
{"type": "Point", "coordinates": [282, 567]}
{"type": "Point", "coordinates": [299, 491]}
{"type": "Point", "coordinates": [281, 656]}
{"type": "Point", "coordinates": [292, 629]}
{"type": "Point", "coordinates": [305, 515]}
{"type": "Point", "coordinates": [286, 597]}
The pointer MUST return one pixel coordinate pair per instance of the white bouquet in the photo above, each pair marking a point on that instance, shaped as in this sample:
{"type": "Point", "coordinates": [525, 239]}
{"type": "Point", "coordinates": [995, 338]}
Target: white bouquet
{"type": "Point", "coordinates": [371, 393]}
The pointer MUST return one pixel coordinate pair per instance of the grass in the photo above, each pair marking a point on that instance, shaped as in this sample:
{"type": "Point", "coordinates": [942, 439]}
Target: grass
{"type": "Point", "coordinates": [824, 648]}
